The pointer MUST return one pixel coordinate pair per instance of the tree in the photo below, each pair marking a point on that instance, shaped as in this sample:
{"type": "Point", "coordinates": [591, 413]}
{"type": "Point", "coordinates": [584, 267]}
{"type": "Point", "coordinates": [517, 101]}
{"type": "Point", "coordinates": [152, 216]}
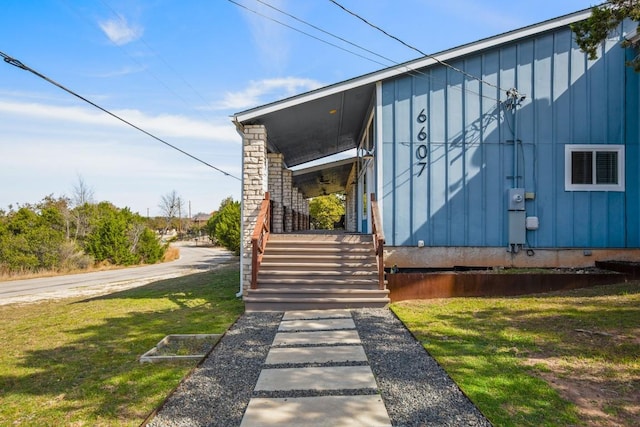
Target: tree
{"type": "Point", "coordinates": [82, 199]}
{"type": "Point", "coordinates": [224, 226]}
{"type": "Point", "coordinates": [604, 19]}
{"type": "Point", "coordinates": [325, 211]}
{"type": "Point", "coordinates": [32, 237]}
{"type": "Point", "coordinates": [108, 240]}
{"type": "Point", "coordinates": [82, 193]}
{"type": "Point", "coordinates": [120, 237]}
{"type": "Point", "coordinates": [171, 206]}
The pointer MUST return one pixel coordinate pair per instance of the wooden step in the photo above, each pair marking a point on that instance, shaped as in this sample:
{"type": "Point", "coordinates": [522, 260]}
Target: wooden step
{"type": "Point", "coordinates": [308, 292]}
{"type": "Point", "coordinates": [319, 282]}
{"type": "Point", "coordinates": [328, 267]}
{"type": "Point", "coordinates": [317, 271]}
{"type": "Point", "coordinates": [317, 276]}
{"type": "Point", "coordinates": [297, 254]}
{"type": "Point", "coordinates": [289, 304]}
{"type": "Point", "coordinates": [305, 237]}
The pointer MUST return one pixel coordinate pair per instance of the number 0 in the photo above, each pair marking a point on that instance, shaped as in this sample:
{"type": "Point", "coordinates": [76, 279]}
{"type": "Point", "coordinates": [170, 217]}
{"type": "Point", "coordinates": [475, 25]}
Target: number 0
{"type": "Point", "coordinates": [421, 152]}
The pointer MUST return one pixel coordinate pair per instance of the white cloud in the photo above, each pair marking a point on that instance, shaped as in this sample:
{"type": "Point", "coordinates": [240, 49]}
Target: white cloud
{"type": "Point", "coordinates": [276, 89]}
{"type": "Point", "coordinates": [48, 145]}
{"type": "Point", "coordinates": [271, 39]}
{"type": "Point", "coordinates": [165, 125]}
{"type": "Point", "coordinates": [119, 31]}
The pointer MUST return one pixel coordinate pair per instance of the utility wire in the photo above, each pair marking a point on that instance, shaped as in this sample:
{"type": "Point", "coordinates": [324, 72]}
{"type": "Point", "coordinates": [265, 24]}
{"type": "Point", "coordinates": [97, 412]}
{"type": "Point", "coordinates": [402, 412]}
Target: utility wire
{"type": "Point", "coordinates": [415, 73]}
{"type": "Point", "coordinates": [166, 63]}
{"type": "Point", "coordinates": [306, 34]}
{"type": "Point", "coordinates": [415, 48]}
{"type": "Point", "coordinates": [16, 63]}
{"type": "Point", "coordinates": [327, 32]}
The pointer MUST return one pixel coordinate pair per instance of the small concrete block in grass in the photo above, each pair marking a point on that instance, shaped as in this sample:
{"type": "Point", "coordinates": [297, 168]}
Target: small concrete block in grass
{"type": "Point", "coordinates": [181, 347]}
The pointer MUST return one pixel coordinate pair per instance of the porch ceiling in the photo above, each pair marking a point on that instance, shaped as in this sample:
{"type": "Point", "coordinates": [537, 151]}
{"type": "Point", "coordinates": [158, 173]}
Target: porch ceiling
{"type": "Point", "coordinates": [303, 130]}
{"type": "Point", "coordinates": [323, 179]}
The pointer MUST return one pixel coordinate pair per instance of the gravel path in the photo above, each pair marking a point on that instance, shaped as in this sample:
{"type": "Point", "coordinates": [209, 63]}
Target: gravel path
{"type": "Point", "coordinates": [415, 389]}
{"type": "Point", "coordinates": [218, 391]}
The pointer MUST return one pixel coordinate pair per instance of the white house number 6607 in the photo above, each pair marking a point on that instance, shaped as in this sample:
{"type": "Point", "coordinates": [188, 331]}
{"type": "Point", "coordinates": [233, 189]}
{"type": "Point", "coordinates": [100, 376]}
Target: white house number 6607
{"type": "Point", "coordinates": [421, 150]}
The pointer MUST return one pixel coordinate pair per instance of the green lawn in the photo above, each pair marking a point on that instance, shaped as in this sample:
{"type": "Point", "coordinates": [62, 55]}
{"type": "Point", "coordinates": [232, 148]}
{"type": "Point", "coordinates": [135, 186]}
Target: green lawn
{"type": "Point", "coordinates": [557, 359]}
{"type": "Point", "coordinates": [74, 361]}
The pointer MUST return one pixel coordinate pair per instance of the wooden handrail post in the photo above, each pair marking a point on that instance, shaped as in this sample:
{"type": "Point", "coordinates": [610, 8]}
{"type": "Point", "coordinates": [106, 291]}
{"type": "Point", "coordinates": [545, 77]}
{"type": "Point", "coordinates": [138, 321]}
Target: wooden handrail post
{"type": "Point", "coordinates": [260, 237]}
{"type": "Point", "coordinates": [378, 239]}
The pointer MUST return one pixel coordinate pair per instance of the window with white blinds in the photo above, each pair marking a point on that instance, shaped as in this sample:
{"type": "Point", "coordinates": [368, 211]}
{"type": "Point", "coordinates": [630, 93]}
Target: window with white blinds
{"type": "Point", "coordinates": [594, 167]}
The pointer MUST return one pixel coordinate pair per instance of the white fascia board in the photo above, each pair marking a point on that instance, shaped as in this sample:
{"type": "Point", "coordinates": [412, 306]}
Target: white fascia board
{"type": "Point", "coordinates": [406, 67]}
{"type": "Point", "coordinates": [300, 99]}
{"type": "Point", "coordinates": [323, 166]}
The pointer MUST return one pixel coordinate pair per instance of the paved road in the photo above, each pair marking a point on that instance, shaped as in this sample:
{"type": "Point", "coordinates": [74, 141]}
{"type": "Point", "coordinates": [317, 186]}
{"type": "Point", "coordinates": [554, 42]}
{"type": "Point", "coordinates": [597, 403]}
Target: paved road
{"type": "Point", "coordinates": [192, 260]}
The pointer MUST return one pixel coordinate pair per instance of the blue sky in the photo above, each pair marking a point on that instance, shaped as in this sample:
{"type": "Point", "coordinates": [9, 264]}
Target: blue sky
{"type": "Point", "coordinates": [179, 70]}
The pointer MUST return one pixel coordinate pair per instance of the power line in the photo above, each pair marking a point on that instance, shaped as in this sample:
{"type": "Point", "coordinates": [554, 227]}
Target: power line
{"type": "Point", "coordinates": [166, 63]}
{"type": "Point", "coordinates": [415, 48]}
{"type": "Point", "coordinates": [327, 32]}
{"type": "Point", "coordinates": [413, 72]}
{"type": "Point", "coordinates": [306, 34]}
{"type": "Point", "coordinates": [16, 63]}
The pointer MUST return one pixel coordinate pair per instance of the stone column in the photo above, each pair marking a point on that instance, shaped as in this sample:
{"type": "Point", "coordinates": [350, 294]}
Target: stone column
{"type": "Point", "coordinates": [275, 190]}
{"type": "Point", "coordinates": [286, 199]}
{"type": "Point", "coordinates": [254, 155]}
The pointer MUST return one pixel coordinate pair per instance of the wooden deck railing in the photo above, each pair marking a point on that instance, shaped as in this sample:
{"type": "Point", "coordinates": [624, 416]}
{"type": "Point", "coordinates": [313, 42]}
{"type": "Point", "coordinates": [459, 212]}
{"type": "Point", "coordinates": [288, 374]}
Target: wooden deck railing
{"type": "Point", "coordinates": [378, 239]}
{"type": "Point", "coordinates": [259, 238]}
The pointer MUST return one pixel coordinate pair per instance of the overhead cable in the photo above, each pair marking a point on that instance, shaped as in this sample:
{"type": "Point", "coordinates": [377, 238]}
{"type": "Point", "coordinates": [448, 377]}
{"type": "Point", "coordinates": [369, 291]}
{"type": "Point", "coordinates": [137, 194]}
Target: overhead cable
{"type": "Point", "coordinates": [415, 48]}
{"type": "Point", "coordinates": [306, 34]}
{"type": "Point", "coordinates": [166, 63]}
{"type": "Point", "coordinates": [16, 63]}
{"type": "Point", "coordinates": [410, 71]}
{"type": "Point", "coordinates": [326, 32]}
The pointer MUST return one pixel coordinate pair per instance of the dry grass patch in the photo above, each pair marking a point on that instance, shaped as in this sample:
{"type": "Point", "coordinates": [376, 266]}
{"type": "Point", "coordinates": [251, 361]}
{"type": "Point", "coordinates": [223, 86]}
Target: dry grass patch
{"type": "Point", "coordinates": [171, 254]}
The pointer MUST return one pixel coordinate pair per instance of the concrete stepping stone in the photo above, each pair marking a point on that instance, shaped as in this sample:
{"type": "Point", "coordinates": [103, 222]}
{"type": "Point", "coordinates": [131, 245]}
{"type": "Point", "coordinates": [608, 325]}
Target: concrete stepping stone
{"type": "Point", "coordinates": [335, 354]}
{"type": "Point", "coordinates": [316, 338]}
{"type": "Point", "coordinates": [321, 411]}
{"type": "Point", "coordinates": [316, 324]}
{"type": "Point", "coordinates": [315, 314]}
{"type": "Point", "coordinates": [321, 378]}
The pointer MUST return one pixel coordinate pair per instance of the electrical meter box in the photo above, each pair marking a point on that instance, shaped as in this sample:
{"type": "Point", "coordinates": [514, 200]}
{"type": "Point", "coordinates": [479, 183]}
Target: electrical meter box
{"type": "Point", "coordinates": [516, 199]}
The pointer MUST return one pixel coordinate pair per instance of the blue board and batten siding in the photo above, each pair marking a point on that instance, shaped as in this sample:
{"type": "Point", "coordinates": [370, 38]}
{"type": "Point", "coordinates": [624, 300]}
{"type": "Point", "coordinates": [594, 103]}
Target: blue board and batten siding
{"type": "Point", "coordinates": [447, 146]}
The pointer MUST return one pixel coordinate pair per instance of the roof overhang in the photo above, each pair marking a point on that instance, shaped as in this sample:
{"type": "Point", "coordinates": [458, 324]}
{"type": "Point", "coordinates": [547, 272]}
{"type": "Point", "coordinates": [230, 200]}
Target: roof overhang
{"type": "Point", "coordinates": [323, 179]}
{"type": "Point", "coordinates": [321, 126]}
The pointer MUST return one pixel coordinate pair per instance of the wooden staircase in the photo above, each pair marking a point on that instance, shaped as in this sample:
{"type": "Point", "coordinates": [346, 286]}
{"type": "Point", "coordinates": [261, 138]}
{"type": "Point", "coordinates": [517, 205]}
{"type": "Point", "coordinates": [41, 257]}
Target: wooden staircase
{"type": "Point", "coordinates": [317, 271]}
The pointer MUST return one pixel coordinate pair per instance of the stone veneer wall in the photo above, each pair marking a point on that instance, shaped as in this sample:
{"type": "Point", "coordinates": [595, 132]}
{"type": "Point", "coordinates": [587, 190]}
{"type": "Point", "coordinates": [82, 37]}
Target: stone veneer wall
{"type": "Point", "coordinates": [254, 169]}
{"type": "Point", "coordinates": [276, 191]}
{"type": "Point", "coordinates": [286, 199]}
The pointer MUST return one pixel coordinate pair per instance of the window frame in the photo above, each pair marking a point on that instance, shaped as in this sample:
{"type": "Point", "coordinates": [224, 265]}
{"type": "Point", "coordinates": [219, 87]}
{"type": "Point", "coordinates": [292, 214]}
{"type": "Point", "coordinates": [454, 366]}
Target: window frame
{"type": "Point", "coordinates": [594, 148]}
